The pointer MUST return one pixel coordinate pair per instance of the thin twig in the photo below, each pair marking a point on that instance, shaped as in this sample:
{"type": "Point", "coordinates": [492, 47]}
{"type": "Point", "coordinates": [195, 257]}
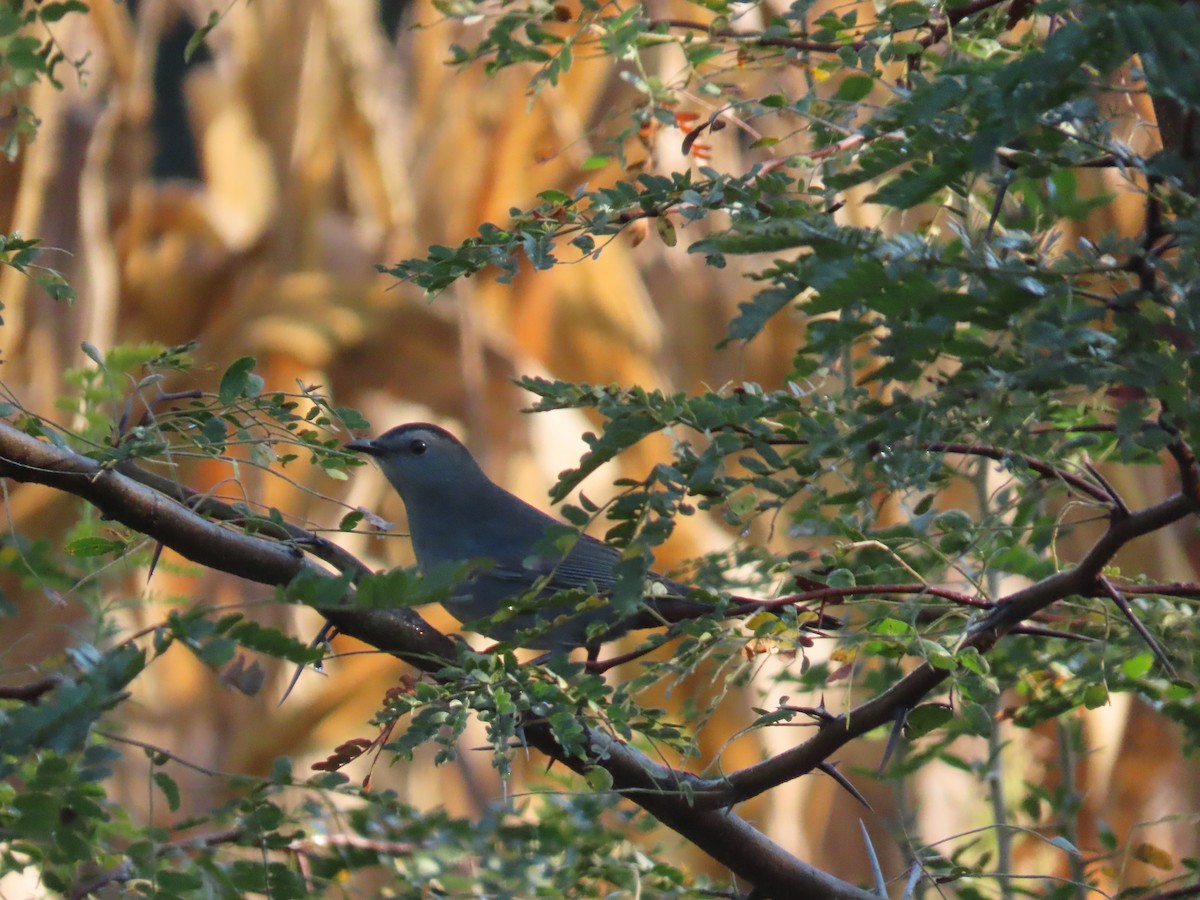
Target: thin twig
{"type": "Point", "coordinates": [1041, 467]}
{"type": "Point", "coordinates": [1190, 589]}
{"type": "Point", "coordinates": [33, 691]}
{"type": "Point", "coordinates": [167, 754]}
{"type": "Point", "coordinates": [1123, 605]}
{"type": "Point", "coordinates": [937, 32]}
{"type": "Point", "coordinates": [1119, 504]}
{"type": "Point", "coordinates": [1036, 631]}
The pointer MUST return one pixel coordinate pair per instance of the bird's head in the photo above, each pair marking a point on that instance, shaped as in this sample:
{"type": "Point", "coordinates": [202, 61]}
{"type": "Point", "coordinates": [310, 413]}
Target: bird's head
{"type": "Point", "coordinates": [425, 463]}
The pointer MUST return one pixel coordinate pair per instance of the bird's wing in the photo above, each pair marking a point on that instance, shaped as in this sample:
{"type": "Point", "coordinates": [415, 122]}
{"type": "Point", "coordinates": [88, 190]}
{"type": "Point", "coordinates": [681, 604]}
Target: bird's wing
{"type": "Point", "coordinates": [587, 562]}
{"type": "Point", "coordinates": [588, 565]}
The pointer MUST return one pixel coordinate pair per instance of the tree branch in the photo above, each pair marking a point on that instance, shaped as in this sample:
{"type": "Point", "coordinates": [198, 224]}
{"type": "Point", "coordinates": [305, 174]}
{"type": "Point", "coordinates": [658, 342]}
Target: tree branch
{"type": "Point", "coordinates": [1042, 468]}
{"type": "Point", "coordinates": [998, 454]}
{"type": "Point", "coordinates": [226, 549]}
{"type": "Point", "coordinates": [1123, 605]}
{"type": "Point", "coordinates": [937, 31]}
{"type": "Point", "coordinates": [1008, 613]}
{"type": "Point", "coordinates": [659, 790]}
{"type": "Point", "coordinates": [32, 691]}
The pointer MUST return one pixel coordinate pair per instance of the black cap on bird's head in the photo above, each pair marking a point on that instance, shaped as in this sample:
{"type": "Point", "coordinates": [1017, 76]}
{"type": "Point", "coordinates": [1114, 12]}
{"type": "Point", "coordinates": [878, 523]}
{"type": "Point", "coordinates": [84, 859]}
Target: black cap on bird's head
{"type": "Point", "coordinates": [422, 459]}
{"type": "Point", "coordinates": [413, 438]}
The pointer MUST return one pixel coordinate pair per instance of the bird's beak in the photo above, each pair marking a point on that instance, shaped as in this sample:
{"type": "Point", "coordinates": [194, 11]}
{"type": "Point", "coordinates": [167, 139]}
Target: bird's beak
{"type": "Point", "coordinates": [363, 445]}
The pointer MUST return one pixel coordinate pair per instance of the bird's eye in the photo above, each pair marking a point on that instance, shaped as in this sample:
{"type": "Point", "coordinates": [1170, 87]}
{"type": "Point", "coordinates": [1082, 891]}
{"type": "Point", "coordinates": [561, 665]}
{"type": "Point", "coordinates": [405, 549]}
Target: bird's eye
{"type": "Point", "coordinates": [417, 447]}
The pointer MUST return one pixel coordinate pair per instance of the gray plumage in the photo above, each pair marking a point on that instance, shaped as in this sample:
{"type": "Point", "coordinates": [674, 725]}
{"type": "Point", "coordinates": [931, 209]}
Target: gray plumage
{"type": "Point", "coordinates": [456, 513]}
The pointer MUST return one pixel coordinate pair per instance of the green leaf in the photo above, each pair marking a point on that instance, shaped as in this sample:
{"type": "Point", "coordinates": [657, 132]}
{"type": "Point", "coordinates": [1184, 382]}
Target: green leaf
{"type": "Point", "coordinates": [169, 788]}
{"type": "Point", "coordinates": [1063, 844]}
{"type": "Point", "coordinates": [53, 12]}
{"type": "Point", "coordinates": [170, 882]}
{"type": "Point", "coordinates": [937, 655]}
{"type": "Point", "coordinates": [1138, 666]}
{"type": "Point", "coordinates": [927, 717]}
{"type": "Point", "coordinates": [196, 41]}
{"type": "Point", "coordinates": [275, 643]}
{"type": "Point", "coordinates": [94, 546]}
{"type": "Point", "coordinates": [753, 315]}
{"type": "Point", "coordinates": [666, 231]}
{"type": "Point", "coordinates": [1095, 696]}
{"type": "Point", "coordinates": [855, 88]}
{"type": "Point", "coordinates": [890, 626]}
{"type": "Point", "coordinates": [214, 431]}
{"type": "Point", "coordinates": [350, 521]}
{"type": "Point", "coordinates": [971, 660]}
{"type": "Point", "coordinates": [840, 578]}
{"type": "Point", "coordinates": [239, 381]}
{"type": "Point", "coordinates": [599, 779]}
{"type": "Point", "coordinates": [316, 590]}
{"type": "Point", "coordinates": [92, 352]}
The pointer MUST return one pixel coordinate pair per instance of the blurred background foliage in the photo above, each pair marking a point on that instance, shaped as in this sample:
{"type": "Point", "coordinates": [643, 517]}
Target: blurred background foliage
{"type": "Point", "coordinates": [239, 192]}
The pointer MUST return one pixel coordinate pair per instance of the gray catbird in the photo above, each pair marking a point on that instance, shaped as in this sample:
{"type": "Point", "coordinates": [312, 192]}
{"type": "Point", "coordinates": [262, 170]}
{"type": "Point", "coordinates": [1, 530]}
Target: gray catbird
{"type": "Point", "coordinates": [456, 514]}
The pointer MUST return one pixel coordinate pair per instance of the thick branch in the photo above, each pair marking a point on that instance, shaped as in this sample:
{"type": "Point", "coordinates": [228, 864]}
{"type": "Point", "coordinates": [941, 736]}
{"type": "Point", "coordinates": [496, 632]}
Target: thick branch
{"type": "Point", "coordinates": [212, 508]}
{"type": "Point", "coordinates": [722, 834]}
{"type": "Point", "coordinates": [121, 498]}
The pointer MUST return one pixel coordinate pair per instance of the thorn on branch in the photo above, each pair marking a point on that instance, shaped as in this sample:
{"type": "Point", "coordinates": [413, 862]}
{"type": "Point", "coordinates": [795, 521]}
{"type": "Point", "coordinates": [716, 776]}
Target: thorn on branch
{"type": "Point", "coordinates": [899, 720]}
{"type": "Point", "coordinates": [831, 770]}
{"type": "Point", "coordinates": [123, 422]}
{"type": "Point", "coordinates": [818, 713]}
{"type": "Point", "coordinates": [998, 204]}
{"type": "Point", "coordinates": [154, 558]}
{"type": "Point", "coordinates": [327, 633]}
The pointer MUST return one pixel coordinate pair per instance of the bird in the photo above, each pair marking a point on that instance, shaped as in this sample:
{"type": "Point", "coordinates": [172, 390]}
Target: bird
{"type": "Point", "coordinates": [457, 514]}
